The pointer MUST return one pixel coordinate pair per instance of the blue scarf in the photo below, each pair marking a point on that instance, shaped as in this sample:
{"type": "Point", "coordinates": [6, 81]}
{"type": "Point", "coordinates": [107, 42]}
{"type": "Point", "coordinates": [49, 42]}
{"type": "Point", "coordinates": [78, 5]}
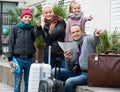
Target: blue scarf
{"type": "Point", "coordinates": [24, 26]}
{"type": "Point", "coordinates": [75, 16]}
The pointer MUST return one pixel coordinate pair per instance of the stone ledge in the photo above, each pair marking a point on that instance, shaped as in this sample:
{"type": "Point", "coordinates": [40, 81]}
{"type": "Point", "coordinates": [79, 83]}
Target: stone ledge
{"type": "Point", "coordinates": [5, 75]}
{"type": "Point", "coordinates": [96, 89]}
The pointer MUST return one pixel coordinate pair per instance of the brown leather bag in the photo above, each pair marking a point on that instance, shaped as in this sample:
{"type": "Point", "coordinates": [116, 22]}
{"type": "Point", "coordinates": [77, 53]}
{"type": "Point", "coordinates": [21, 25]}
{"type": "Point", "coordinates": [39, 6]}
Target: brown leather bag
{"type": "Point", "coordinates": [104, 69]}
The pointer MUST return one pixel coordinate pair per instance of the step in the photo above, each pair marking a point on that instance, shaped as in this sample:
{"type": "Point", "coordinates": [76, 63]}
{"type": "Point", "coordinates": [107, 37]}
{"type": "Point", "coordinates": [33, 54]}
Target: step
{"type": "Point", "coordinates": [96, 89]}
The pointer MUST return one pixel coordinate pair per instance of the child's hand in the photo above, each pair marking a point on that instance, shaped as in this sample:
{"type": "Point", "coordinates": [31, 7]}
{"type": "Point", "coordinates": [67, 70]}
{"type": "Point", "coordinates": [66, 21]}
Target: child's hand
{"type": "Point", "coordinates": [90, 18]}
{"type": "Point", "coordinates": [98, 33]}
{"type": "Point", "coordinates": [38, 23]}
{"type": "Point", "coordinates": [10, 63]}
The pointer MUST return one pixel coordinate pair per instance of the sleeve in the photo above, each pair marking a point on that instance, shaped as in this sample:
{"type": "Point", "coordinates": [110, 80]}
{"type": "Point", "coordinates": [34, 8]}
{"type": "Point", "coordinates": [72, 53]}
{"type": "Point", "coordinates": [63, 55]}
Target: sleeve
{"type": "Point", "coordinates": [67, 30]}
{"type": "Point", "coordinates": [11, 43]}
{"type": "Point", "coordinates": [93, 40]}
{"type": "Point", "coordinates": [73, 58]}
{"type": "Point", "coordinates": [38, 31]}
{"type": "Point", "coordinates": [58, 31]}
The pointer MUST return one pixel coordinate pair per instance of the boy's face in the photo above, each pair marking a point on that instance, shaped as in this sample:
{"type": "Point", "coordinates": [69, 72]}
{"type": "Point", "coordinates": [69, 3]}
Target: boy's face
{"type": "Point", "coordinates": [75, 32]}
{"type": "Point", "coordinates": [48, 13]}
{"type": "Point", "coordinates": [76, 8]}
{"type": "Point", "coordinates": [26, 19]}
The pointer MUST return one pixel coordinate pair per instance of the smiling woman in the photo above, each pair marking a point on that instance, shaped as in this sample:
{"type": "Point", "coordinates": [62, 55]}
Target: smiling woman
{"type": "Point", "coordinates": [53, 31]}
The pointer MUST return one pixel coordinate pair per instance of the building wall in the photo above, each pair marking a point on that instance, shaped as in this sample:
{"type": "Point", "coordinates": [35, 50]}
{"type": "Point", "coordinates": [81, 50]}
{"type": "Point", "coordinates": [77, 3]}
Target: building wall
{"type": "Point", "coordinates": [101, 11]}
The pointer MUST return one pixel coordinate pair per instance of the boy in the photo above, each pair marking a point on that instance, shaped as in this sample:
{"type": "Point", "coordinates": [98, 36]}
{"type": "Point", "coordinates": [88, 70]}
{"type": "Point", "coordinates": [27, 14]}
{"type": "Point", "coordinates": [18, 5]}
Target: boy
{"type": "Point", "coordinates": [21, 46]}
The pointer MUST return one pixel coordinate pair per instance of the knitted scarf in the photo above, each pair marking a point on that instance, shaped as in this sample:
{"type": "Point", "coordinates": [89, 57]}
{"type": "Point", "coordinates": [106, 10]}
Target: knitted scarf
{"type": "Point", "coordinates": [55, 19]}
{"type": "Point", "coordinates": [24, 26]}
{"type": "Point", "coordinates": [75, 16]}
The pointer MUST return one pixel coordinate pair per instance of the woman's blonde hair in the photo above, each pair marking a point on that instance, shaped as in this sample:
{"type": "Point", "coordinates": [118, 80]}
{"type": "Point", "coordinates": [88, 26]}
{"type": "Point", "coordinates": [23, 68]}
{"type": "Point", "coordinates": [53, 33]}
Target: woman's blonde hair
{"type": "Point", "coordinates": [46, 6]}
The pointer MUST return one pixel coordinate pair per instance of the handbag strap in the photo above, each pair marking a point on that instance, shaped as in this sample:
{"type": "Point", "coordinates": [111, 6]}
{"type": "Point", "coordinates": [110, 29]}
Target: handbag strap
{"type": "Point", "coordinates": [110, 51]}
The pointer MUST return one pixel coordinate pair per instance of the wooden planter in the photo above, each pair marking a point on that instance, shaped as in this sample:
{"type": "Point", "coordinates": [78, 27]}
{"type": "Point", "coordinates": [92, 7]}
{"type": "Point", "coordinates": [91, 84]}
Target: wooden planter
{"type": "Point", "coordinates": [40, 55]}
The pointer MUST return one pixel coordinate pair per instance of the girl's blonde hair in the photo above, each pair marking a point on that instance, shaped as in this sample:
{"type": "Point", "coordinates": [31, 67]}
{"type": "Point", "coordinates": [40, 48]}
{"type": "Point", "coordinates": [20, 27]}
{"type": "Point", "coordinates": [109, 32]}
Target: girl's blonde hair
{"type": "Point", "coordinates": [70, 6]}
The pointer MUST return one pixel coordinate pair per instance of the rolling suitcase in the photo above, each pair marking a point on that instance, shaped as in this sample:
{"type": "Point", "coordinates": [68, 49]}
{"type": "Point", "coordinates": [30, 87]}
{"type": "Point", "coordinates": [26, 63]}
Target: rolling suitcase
{"type": "Point", "coordinates": [38, 71]}
{"type": "Point", "coordinates": [51, 84]}
{"type": "Point", "coordinates": [104, 69]}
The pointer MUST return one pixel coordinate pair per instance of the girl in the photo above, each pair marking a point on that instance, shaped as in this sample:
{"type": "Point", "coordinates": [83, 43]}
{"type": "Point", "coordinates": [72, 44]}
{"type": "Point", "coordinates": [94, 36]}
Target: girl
{"type": "Point", "coordinates": [76, 17]}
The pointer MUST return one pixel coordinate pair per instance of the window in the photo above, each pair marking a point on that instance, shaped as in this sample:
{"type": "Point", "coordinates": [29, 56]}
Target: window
{"type": "Point", "coordinates": [115, 15]}
{"type": "Point", "coordinates": [10, 6]}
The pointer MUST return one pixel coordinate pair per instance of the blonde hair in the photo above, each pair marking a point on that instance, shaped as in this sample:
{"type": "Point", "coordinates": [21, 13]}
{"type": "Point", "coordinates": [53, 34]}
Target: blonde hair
{"type": "Point", "coordinates": [46, 6]}
{"type": "Point", "coordinates": [70, 6]}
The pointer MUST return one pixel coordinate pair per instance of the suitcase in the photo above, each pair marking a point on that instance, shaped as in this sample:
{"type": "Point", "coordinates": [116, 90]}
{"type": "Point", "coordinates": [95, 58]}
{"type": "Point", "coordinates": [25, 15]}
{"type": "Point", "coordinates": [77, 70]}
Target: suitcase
{"type": "Point", "coordinates": [51, 84]}
{"type": "Point", "coordinates": [104, 69]}
{"type": "Point", "coordinates": [38, 71]}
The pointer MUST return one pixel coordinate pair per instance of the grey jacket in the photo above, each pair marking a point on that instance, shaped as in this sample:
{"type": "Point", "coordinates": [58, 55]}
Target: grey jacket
{"type": "Point", "coordinates": [87, 44]}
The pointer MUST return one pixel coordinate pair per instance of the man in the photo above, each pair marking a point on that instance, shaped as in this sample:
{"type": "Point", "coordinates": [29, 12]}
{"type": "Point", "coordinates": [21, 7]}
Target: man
{"type": "Point", "coordinates": [87, 45]}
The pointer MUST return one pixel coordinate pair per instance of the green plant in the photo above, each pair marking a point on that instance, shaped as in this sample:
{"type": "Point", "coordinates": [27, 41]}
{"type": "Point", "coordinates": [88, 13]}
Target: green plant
{"type": "Point", "coordinates": [60, 10]}
{"type": "Point", "coordinates": [108, 41]}
{"type": "Point", "coordinates": [14, 15]}
{"type": "Point", "coordinates": [40, 42]}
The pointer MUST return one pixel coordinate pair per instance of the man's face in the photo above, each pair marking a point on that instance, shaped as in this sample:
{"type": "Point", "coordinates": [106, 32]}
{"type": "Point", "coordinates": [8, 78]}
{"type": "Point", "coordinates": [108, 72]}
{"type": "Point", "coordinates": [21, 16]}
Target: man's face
{"type": "Point", "coordinates": [75, 32]}
{"type": "Point", "coordinates": [48, 13]}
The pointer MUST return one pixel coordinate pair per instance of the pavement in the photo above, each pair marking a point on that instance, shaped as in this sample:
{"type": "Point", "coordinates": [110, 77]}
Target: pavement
{"type": "Point", "coordinates": [5, 88]}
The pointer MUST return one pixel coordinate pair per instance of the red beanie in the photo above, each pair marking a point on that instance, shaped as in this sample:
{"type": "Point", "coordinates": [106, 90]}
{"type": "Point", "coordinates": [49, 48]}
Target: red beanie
{"type": "Point", "coordinates": [26, 11]}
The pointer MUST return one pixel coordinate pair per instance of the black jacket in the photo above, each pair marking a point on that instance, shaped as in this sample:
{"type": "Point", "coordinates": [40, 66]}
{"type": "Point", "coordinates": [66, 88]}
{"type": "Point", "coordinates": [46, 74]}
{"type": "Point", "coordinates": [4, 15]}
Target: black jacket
{"type": "Point", "coordinates": [21, 42]}
{"type": "Point", "coordinates": [58, 34]}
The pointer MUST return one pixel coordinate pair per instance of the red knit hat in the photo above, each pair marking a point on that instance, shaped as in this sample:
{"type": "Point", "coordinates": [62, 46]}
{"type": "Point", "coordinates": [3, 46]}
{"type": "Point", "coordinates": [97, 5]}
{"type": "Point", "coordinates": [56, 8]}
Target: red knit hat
{"type": "Point", "coordinates": [26, 11]}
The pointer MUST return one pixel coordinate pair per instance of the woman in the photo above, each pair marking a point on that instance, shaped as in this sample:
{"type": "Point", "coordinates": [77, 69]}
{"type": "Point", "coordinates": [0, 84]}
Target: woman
{"type": "Point", "coordinates": [53, 31]}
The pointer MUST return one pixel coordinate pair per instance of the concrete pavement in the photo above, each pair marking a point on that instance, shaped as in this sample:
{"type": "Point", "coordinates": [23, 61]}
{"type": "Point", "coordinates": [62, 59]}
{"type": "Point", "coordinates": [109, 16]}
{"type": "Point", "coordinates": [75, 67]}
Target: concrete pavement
{"type": "Point", "coordinates": [5, 88]}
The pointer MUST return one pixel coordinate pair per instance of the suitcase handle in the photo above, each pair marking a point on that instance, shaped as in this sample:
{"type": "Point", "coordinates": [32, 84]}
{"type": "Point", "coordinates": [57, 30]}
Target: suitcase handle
{"type": "Point", "coordinates": [110, 51]}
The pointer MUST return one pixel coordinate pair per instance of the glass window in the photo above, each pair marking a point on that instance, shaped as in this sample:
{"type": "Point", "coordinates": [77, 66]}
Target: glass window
{"type": "Point", "coordinates": [7, 6]}
{"type": "Point", "coordinates": [115, 15]}
{"type": "Point", "coordinates": [0, 6]}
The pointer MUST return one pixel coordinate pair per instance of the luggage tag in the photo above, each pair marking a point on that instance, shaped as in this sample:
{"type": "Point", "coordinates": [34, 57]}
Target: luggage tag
{"type": "Point", "coordinates": [96, 58]}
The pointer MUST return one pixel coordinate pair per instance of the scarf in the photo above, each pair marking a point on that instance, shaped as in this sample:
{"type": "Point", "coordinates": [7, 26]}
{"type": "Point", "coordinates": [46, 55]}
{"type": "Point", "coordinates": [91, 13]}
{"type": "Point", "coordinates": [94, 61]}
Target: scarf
{"type": "Point", "coordinates": [75, 16]}
{"type": "Point", "coordinates": [24, 26]}
{"type": "Point", "coordinates": [55, 19]}
{"type": "Point", "coordinates": [79, 43]}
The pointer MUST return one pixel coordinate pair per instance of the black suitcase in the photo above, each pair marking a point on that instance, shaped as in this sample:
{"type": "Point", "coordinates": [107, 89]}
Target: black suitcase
{"type": "Point", "coordinates": [51, 85]}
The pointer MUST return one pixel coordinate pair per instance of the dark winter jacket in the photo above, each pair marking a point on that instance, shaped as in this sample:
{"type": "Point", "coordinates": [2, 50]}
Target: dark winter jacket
{"type": "Point", "coordinates": [58, 34]}
{"type": "Point", "coordinates": [21, 42]}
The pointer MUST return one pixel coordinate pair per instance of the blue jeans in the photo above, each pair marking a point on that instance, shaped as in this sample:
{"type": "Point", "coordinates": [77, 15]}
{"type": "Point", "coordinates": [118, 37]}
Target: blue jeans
{"type": "Point", "coordinates": [71, 79]}
{"type": "Point", "coordinates": [24, 64]}
{"type": "Point", "coordinates": [55, 59]}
